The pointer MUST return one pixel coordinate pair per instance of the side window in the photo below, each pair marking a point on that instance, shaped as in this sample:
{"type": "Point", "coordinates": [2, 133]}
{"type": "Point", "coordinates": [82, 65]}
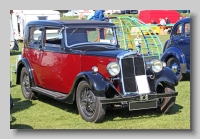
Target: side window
{"type": "Point", "coordinates": [187, 29]}
{"type": "Point", "coordinates": [34, 37]}
{"type": "Point", "coordinates": [178, 30]}
{"type": "Point", "coordinates": [52, 37]}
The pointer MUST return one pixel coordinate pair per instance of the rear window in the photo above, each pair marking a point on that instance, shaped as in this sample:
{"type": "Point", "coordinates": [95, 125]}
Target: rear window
{"type": "Point", "coordinates": [42, 17]}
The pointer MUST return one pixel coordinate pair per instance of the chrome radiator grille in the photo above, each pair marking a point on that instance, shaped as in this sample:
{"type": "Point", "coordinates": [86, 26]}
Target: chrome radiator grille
{"type": "Point", "coordinates": [131, 67]}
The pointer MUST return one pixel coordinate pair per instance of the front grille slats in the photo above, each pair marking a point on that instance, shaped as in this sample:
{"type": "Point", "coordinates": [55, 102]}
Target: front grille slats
{"type": "Point", "coordinates": [131, 67]}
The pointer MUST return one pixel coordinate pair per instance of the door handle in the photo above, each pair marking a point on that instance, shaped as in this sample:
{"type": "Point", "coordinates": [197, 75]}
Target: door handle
{"type": "Point", "coordinates": [181, 40]}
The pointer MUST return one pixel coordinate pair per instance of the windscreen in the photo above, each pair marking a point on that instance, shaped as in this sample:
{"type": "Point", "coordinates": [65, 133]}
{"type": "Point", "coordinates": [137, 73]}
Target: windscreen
{"type": "Point", "coordinates": [90, 35]}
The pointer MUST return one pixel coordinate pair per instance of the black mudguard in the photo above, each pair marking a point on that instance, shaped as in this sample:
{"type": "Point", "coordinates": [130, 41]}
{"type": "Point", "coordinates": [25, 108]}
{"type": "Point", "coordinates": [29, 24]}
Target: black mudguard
{"type": "Point", "coordinates": [23, 62]}
{"type": "Point", "coordinates": [97, 83]}
{"type": "Point", "coordinates": [167, 76]}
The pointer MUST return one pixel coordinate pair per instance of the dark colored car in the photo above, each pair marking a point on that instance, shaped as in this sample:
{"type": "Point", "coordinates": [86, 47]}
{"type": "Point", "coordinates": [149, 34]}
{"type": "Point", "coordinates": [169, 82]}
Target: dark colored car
{"type": "Point", "coordinates": [11, 106]}
{"type": "Point", "coordinates": [76, 61]}
{"type": "Point", "coordinates": [176, 52]}
{"type": "Point", "coordinates": [125, 11]}
{"type": "Point", "coordinates": [133, 11]}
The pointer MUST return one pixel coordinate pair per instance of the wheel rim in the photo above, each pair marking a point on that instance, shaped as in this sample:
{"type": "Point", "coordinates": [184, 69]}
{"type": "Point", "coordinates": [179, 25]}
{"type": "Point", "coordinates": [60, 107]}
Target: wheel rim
{"type": "Point", "coordinates": [88, 102]}
{"type": "Point", "coordinates": [175, 68]}
{"type": "Point", "coordinates": [26, 84]}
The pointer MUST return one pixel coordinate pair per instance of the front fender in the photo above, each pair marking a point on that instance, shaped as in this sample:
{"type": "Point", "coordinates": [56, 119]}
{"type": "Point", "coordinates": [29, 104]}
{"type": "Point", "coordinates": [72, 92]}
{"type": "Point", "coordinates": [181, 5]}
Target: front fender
{"type": "Point", "coordinates": [97, 83]}
{"type": "Point", "coordinates": [173, 51]}
{"type": "Point", "coordinates": [167, 76]}
{"type": "Point", "coordinates": [23, 62]}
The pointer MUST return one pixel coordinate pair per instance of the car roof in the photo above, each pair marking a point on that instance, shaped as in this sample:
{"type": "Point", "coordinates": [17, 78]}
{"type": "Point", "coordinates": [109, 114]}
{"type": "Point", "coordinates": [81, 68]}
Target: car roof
{"type": "Point", "coordinates": [70, 22]}
{"type": "Point", "coordinates": [185, 19]}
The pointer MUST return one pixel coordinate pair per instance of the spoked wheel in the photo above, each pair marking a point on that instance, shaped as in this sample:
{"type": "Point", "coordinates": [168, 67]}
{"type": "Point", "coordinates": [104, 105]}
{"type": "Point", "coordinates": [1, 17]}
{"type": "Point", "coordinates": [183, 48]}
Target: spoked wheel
{"type": "Point", "coordinates": [166, 104]}
{"type": "Point", "coordinates": [88, 103]}
{"type": "Point", "coordinates": [174, 65]}
{"type": "Point", "coordinates": [25, 85]}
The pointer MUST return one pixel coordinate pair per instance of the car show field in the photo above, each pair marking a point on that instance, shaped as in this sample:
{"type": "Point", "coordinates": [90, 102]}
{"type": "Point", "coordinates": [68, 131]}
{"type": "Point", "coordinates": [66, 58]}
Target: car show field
{"type": "Point", "coordinates": [89, 109]}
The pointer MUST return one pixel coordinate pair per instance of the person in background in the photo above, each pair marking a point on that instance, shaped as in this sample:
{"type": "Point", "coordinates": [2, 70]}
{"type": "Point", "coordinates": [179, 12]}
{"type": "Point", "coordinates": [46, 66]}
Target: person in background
{"type": "Point", "coordinates": [167, 20]}
{"type": "Point", "coordinates": [153, 22]}
{"type": "Point", "coordinates": [162, 22]}
{"type": "Point", "coordinates": [99, 15]}
{"type": "Point", "coordinates": [81, 16]}
{"type": "Point", "coordinates": [138, 42]}
{"type": "Point", "coordinates": [91, 15]}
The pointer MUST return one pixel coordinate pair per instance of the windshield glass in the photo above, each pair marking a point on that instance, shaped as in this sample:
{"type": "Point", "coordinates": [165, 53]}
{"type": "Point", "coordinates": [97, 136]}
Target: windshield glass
{"type": "Point", "coordinates": [90, 35]}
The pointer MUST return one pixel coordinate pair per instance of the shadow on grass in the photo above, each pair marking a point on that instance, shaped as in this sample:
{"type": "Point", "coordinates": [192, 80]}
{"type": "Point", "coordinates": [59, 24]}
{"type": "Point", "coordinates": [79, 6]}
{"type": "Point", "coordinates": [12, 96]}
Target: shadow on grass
{"type": "Point", "coordinates": [15, 53]}
{"type": "Point", "coordinates": [186, 78]}
{"type": "Point", "coordinates": [20, 126]}
{"type": "Point", "coordinates": [137, 114]}
{"type": "Point", "coordinates": [20, 106]}
{"type": "Point", "coordinates": [72, 108]}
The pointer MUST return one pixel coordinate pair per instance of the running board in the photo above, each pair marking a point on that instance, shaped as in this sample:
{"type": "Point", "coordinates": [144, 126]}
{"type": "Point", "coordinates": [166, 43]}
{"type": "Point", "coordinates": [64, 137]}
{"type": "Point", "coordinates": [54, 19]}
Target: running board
{"type": "Point", "coordinates": [53, 94]}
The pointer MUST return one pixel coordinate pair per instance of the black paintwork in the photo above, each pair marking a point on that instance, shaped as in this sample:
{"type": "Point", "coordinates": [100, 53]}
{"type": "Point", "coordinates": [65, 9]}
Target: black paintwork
{"type": "Point", "coordinates": [167, 76]}
{"type": "Point", "coordinates": [24, 63]}
{"type": "Point", "coordinates": [70, 23]}
{"type": "Point", "coordinates": [136, 98]}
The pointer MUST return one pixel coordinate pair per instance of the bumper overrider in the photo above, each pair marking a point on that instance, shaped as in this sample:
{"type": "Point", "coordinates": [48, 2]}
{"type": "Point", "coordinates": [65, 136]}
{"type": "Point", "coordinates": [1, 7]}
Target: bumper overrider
{"type": "Point", "coordinates": [140, 101]}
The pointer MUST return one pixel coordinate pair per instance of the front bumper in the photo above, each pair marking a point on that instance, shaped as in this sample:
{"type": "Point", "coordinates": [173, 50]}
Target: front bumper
{"type": "Point", "coordinates": [144, 101]}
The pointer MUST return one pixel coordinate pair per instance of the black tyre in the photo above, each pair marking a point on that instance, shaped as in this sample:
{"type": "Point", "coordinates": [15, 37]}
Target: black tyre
{"type": "Point", "coordinates": [88, 104]}
{"type": "Point", "coordinates": [25, 85]}
{"type": "Point", "coordinates": [165, 105]}
{"type": "Point", "coordinates": [174, 64]}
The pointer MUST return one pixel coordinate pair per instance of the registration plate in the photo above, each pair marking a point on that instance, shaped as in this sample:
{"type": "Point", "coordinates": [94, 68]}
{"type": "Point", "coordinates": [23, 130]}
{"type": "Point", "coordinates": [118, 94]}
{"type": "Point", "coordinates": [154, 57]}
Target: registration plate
{"type": "Point", "coordinates": [142, 105]}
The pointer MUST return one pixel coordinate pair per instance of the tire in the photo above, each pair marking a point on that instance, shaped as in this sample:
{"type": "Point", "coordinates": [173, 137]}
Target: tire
{"type": "Point", "coordinates": [174, 62]}
{"type": "Point", "coordinates": [165, 105]}
{"type": "Point", "coordinates": [92, 110]}
{"type": "Point", "coordinates": [25, 85]}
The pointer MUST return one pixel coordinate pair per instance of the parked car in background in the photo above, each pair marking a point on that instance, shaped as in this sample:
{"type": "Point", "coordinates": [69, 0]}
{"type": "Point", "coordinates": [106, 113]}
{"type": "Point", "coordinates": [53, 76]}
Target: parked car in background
{"type": "Point", "coordinates": [86, 66]}
{"type": "Point", "coordinates": [72, 13]}
{"type": "Point", "coordinates": [134, 11]}
{"type": "Point", "coordinates": [125, 11]}
{"type": "Point", "coordinates": [11, 106]}
{"type": "Point", "coordinates": [176, 51]}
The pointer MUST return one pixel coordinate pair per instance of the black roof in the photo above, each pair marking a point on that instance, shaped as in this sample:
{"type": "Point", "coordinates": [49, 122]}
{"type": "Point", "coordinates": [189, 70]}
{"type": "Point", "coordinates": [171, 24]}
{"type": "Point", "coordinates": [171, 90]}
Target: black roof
{"type": "Point", "coordinates": [70, 22]}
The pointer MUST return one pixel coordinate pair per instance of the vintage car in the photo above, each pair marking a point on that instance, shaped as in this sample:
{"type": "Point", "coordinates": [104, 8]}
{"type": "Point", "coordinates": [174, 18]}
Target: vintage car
{"type": "Point", "coordinates": [176, 51]}
{"type": "Point", "coordinates": [81, 63]}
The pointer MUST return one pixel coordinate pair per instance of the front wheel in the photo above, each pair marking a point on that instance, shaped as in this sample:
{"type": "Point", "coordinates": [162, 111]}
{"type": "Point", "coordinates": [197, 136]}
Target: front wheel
{"type": "Point", "coordinates": [165, 105]}
{"type": "Point", "coordinates": [88, 104]}
{"type": "Point", "coordinates": [174, 65]}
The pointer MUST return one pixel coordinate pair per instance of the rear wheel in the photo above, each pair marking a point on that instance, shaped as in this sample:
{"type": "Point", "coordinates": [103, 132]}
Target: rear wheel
{"type": "Point", "coordinates": [25, 84]}
{"type": "Point", "coordinates": [165, 105]}
{"type": "Point", "coordinates": [88, 104]}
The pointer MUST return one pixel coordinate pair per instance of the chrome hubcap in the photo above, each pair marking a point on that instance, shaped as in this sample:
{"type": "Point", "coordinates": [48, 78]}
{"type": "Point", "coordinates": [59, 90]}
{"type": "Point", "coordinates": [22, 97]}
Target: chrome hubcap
{"type": "Point", "coordinates": [176, 68]}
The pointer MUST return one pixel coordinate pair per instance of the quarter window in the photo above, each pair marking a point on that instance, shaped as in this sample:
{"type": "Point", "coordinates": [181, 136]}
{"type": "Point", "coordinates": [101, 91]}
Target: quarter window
{"type": "Point", "coordinates": [187, 29]}
{"type": "Point", "coordinates": [34, 36]}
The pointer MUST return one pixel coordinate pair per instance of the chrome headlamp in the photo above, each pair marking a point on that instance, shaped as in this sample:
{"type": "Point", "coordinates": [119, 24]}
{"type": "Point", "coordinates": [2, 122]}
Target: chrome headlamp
{"type": "Point", "coordinates": [157, 65]}
{"type": "Point", "coordinates": [113, 68]}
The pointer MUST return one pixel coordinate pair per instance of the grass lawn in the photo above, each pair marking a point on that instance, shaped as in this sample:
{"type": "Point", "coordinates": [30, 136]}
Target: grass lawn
{"type": "Point", "coordinates": [47, 113]}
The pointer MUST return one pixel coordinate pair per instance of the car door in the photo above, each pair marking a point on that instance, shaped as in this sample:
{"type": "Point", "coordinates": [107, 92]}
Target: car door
{"type": "Point", "coordinates": [51, 60]}
{"type": "Point", "coordinates": [33, 52]}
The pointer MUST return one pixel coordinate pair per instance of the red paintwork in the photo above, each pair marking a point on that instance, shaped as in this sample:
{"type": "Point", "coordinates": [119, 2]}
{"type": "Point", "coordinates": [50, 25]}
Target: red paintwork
{"type": "Point", "coordinates": [57, 71]}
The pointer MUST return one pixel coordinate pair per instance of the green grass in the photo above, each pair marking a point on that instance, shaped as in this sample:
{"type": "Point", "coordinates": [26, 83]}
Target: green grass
{"type": "Point", "coordinates": [47, 113]}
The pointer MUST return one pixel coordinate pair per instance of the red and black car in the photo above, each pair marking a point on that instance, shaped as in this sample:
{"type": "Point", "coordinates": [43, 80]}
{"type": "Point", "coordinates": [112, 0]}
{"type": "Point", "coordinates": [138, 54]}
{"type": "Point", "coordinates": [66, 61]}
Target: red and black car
{"type": "Point", "coordinates": [81, 61]}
